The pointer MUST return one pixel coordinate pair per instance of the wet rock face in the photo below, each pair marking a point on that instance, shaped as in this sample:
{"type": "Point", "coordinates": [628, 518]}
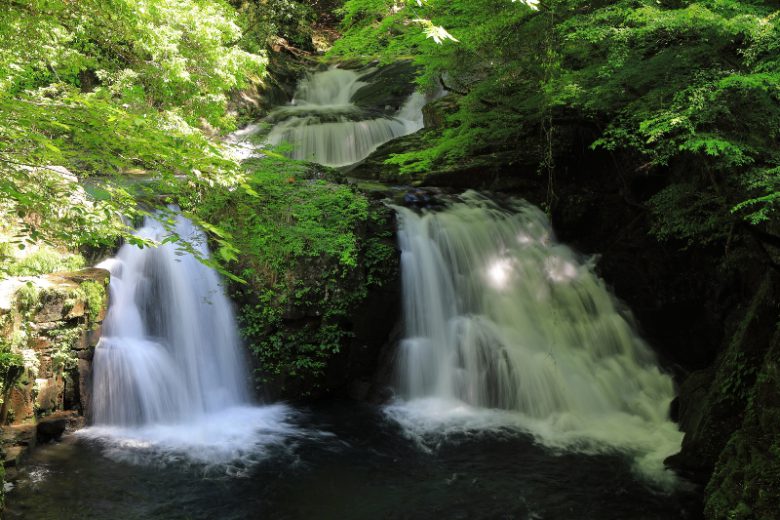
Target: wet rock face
{"type": "Point", "coordinates": [747, 472]}
{"type": "Point", "coordinates": [53, 323]}
{"type": "Point", "coordinates": [388, 87]}
{"type": "Point", "coordinates": [731, 413]}
{"type": "Point", "coordinates": [367, 324]}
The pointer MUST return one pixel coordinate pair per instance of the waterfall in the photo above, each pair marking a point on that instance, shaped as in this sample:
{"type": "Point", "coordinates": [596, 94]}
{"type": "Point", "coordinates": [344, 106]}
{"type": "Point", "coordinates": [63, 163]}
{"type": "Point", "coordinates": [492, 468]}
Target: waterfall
{"type": "Point", "coordinates": [168, 373]}
{"type": "Point", "coordinates": [169, 349]}
{"type": "Point", "coordinates": [323, 125]}
{"type": "Point", "coordinates": [499, 316]}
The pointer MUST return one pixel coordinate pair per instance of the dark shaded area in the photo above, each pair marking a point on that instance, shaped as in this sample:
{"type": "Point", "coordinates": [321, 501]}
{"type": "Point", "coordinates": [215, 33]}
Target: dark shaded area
{"type": "Point", "coordinates": [351, 463]}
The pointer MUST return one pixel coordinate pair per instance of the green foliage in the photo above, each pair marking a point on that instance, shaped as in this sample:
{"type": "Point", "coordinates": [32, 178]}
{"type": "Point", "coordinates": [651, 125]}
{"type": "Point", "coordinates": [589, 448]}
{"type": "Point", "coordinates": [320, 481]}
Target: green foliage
{"type": "Point", "coordinates": [704, 219]}
{"type": "Point", "coordinates": [172, 54]}
{"type": "Point", "coordinates": [63, 357]}
{"type": "Point", "coordinates": [111, 88]}
{"type": "Point", "coordinates": [689, 89]}
{"type": "Point", "coordinates": [94, 295]}
{"type": "Point", "coordinates": [264, 20]}
{"type": "Point", "coordinates": [12, 367]}
{"type": "Point", "coordinates": [298, 228]}
{"type": "Point", "coordinates": [42, 261]}
{"type": "Point", "coordinates": [28, 298]}
{"type": "Point", "coordinates": [10, 363]}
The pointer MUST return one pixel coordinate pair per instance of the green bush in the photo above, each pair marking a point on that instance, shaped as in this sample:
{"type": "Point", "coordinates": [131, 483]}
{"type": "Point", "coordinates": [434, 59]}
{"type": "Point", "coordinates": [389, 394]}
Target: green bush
{"type": "Point", "coordinates": [294, 235]}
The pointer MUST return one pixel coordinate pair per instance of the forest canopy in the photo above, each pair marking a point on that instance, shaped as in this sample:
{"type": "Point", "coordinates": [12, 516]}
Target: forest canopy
{"type": "Point", "coordinates": [685, 88]}
{"type": "Point", "coordinates": [112, 90]}
{"type": "Point", "coordinates": [126, 87]}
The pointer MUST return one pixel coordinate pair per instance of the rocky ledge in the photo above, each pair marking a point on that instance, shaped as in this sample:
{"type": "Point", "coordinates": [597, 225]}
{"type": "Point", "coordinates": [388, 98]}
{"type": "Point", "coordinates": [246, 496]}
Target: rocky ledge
{"type": "Point", "coordinates": [52, 322]}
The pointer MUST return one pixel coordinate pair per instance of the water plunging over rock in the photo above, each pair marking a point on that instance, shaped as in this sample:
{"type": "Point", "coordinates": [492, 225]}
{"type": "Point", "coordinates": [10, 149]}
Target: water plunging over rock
{"type": "Point", "coordinates": [169, 374]}
{"type": "Point", "coordinates": [500, 316]}
{"type": "Point", "coordinates": [324, 125]}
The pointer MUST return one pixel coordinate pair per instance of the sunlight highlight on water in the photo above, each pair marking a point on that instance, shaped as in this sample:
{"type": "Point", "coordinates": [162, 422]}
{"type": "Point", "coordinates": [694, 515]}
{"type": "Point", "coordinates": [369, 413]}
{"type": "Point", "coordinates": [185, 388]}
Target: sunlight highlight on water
{"type": "Point", "coordinates": [507, 328]}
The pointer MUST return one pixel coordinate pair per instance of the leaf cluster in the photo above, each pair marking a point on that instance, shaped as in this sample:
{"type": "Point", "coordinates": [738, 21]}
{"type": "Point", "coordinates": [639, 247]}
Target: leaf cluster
{"type": "Point", "coordinates": [295, 235]}
{"type": "Point", "coordinates": [111, 90]}
{"type": "Point", "coordinates": [689, 89]}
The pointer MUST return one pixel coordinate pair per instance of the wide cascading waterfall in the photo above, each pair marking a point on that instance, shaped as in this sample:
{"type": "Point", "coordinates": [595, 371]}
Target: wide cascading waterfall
{"type": "Point", "coordinates": [323, 125]}
{"type": "Point", "coordinates": [500, 316]}
{"type": "Point", "coordinates": [169, 374]}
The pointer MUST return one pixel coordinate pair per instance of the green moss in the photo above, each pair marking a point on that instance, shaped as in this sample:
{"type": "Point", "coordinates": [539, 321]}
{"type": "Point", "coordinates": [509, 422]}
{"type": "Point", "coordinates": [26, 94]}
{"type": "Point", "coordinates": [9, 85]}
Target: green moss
{"type": "Point", "coordinates": [740, 364]}
{"type": "Point", "coordinates": [302, 255]}
{"type": "Point", "coordinates": [28, 298]}
{"type": "Point", "coordinates": [43, 261]}
{"type": "Point", "coordinates": [63, 356]}
{"type": "Point", "coordinates": [746, 482]}
{"type": "Point", "coordinates": [94, 295]}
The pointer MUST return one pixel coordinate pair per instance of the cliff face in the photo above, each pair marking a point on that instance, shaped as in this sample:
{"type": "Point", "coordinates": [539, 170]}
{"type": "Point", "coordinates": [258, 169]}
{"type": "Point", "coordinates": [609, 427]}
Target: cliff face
{"type": "Point", "coordinates": [49, 327]}
{"type": "Point", "coordinates": [53, 321]}
{"type": "Point", "coordinates": [745, 483]}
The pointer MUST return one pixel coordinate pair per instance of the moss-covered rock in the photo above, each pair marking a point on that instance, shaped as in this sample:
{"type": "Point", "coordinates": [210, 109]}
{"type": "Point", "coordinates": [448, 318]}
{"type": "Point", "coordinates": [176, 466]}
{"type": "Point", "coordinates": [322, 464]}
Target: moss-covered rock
{"type": "Point", "coordinates": [319, 266]}
{"type": "Point", "coordinates": [47, 321]}
{"type": "Point", "coordinates": [711, 417]}
{"type": "Point", "coordinates": [731, 415]}
{"type": "Point", "coordinates": [746, 482]}
{"type": "Point", "coordinates": [388, 87]}
{"type": "Point", "coordinates": [49, 326]}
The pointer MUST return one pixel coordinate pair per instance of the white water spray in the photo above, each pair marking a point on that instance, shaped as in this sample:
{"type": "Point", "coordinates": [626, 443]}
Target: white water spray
{"type": "Point", "coordinates": [323, 125]}
{"type": "Point", "coordinates": [501, 317]}
{"type": "Point", "coordinates": [169, 374]}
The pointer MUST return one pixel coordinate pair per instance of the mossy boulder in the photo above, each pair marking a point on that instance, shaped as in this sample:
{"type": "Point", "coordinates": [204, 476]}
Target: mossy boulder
{"type": "Point", "coordinates": [711, 417]}
{"type": "Point", "coordinates": [48, 321]}
{"type": "Point", "coordinates": [731, 415]}
{"type": "Point", "coordinates": [746, 482]}
{"type": "Point", "coordinates": [319, 268]}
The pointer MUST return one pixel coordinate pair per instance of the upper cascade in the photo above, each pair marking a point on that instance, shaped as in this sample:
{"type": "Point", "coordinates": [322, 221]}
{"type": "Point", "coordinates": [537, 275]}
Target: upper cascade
{"type": "Point", "coordinates": [322, 124]}
{"type": "Point", "coordinates": [333, 87]}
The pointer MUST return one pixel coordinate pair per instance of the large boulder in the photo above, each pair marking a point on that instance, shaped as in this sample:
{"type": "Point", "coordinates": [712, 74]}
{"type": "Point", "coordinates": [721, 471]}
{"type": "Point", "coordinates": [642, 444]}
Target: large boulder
{"type": "Point", "coordinates": [51, 428]}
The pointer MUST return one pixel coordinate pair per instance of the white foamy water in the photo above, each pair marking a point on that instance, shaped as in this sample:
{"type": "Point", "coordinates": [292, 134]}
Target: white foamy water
{"type": "Point", "coordinates": [506, 328]}
{"type": "Point", "coordinates": [228, 441]}
{"type": "Point", "coordinates": [239, 145]}
{"type": "Point", "coordinates": [169, 378]}
{"type": "Point", "coordinates": [323, 125]}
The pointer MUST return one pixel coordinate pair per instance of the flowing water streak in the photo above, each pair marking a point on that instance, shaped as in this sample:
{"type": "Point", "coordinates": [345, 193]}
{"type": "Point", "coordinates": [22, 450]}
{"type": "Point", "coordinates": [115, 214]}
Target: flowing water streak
{"type": "Point", "coordinates": [323, 125]}
{"type": "Point", "coordinates": [169, 375]}
{"type": "Point", "coordinates": [506, 327]}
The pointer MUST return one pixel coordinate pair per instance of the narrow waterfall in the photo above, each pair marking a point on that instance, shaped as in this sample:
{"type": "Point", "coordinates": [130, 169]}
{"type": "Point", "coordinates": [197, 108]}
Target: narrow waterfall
{"type": "Point", "coordinates": [500, 316]}
{"type": "Point", "coordinates": [170, 349]}
{"type": "Point", "coordinates": [168, 373]}
{"type": "Point", "coordinates": [323, 125]}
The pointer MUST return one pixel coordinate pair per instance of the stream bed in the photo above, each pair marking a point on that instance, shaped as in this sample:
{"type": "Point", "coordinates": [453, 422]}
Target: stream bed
{"type": "Point", "coordinates": [345, 461]}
